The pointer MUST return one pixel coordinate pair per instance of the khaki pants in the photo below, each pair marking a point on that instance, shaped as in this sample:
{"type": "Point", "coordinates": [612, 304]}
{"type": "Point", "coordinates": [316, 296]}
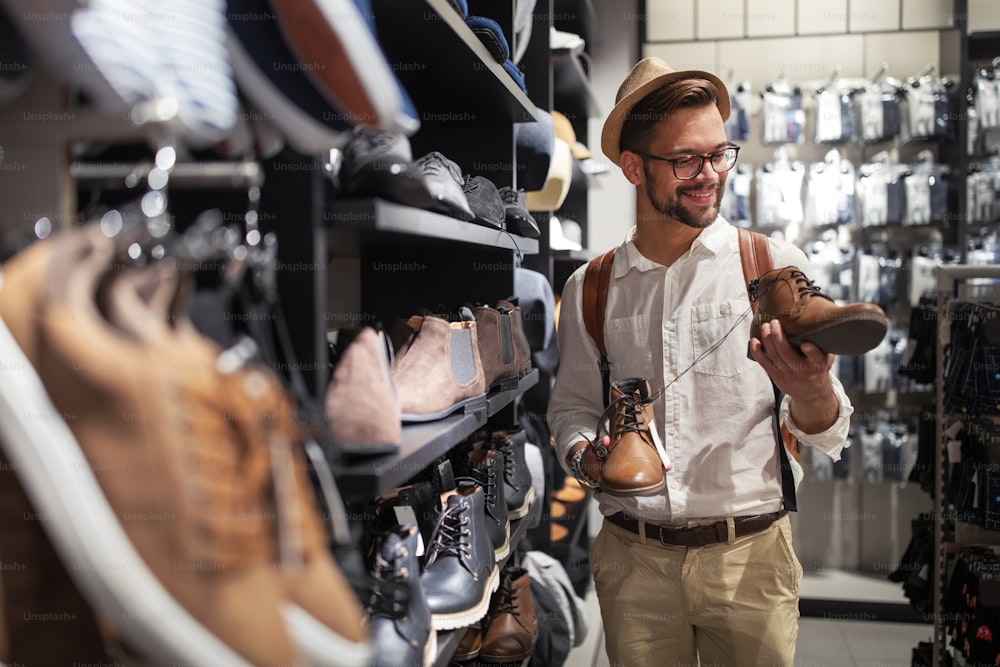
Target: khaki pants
{"type": "Point", "coordinates": [727, 604]}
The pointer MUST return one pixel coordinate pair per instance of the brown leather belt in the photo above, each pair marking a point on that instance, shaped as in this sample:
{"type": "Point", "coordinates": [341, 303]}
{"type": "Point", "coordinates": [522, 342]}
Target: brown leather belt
{"type": "Point", "coordinates": [698, 536]}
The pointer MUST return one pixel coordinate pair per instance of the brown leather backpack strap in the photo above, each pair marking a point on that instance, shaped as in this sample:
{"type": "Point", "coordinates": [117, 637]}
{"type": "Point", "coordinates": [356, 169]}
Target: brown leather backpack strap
{"type": "Point", "coordinates": [755, 255]}
{"type": "Point", "coordinates": [596, 281]}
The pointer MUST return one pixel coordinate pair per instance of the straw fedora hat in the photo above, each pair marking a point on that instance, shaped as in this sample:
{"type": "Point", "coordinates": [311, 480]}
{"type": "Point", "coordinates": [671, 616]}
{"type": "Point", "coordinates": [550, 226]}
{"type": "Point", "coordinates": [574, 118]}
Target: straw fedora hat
{"type": "Point", "coordinates": [648, 75]}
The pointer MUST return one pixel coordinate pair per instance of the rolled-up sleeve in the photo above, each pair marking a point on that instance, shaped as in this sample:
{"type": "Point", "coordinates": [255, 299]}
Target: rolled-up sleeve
{"type": "Point", "coordinates": [575, 405]}
{"type": "Point", "coordinates": [831, 441]}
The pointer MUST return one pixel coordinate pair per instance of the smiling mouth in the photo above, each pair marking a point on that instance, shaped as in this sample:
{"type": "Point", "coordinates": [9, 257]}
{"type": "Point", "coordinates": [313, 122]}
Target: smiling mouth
{"type": "Point", "coordinates": [701, 195]}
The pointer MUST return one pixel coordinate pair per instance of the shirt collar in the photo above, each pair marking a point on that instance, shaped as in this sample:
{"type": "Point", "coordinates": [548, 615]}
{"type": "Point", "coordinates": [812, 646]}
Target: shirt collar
{"type": "Point", "coordinates": [711, 240]}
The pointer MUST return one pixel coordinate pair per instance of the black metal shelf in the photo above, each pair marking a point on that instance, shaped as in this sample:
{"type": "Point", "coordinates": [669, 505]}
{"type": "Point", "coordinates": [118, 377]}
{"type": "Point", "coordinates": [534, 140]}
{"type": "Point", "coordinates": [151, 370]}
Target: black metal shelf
{"type": "Point", "coordinates": [379, 215]}
{"type": "Point", "coordinates": [448, 72]}
{"type": "Point", "coordinates": [422, 444]}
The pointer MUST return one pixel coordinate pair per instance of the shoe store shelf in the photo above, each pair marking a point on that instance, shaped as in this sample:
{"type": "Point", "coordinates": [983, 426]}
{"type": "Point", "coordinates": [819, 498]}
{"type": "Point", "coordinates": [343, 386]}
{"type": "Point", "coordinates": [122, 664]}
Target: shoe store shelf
{"type": "Point", "coordinates": [448, 72]}
{"type": "Point", "coordinates": [421, 445]}
{"type": "Point", "coordinates": [379, 215]}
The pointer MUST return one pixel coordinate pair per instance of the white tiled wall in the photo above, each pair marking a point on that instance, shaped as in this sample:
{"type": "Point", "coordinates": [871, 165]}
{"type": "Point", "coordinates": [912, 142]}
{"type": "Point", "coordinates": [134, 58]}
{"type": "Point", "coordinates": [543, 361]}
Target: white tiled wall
{"type": "Point", "coordinates": [720, 19]}
{"type": "Point", "coordinates": [984, 15]}
{"type": "Point", "coordinates": [827, 17]}
{"type": "Point", "coordinates": [872, 15]}
{"type": "Point", "coordinates": [766, 18]}
{"type": "Point", "coordinates": [669, 20]}
{"type": "Point", "coordinates": [921, 14]}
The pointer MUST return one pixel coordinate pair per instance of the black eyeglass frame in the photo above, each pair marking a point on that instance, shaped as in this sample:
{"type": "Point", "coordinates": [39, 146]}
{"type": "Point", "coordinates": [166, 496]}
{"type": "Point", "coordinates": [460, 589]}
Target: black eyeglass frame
{"type": "Point", "coordinates": [710, 158]}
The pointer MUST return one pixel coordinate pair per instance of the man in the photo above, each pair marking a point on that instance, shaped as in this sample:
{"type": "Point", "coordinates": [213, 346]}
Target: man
{"type": "Point", "coordinates": [678, 302]}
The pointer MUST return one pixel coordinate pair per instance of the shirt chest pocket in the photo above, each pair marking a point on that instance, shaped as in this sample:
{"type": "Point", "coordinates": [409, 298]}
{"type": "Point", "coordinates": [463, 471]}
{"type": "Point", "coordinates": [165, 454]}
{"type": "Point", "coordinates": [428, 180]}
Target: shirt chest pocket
{"type": "Point", "coordinates": [630, 346]}
{"type": "Point", "coordinates": [720, 333]}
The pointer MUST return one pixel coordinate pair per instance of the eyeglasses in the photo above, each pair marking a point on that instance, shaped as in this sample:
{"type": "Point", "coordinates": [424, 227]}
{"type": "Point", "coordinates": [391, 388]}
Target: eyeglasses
{"type": "Point", "coordinates": [688, 166]}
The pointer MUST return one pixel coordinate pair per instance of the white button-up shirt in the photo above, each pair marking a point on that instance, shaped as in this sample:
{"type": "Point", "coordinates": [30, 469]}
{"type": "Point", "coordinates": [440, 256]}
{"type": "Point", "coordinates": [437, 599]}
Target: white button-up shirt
{"type": "Point", "coordinates": [715, 419]}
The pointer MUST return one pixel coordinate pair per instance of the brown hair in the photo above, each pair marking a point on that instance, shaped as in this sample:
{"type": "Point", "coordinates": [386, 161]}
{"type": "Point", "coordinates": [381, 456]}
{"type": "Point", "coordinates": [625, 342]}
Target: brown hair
{"type": "Point", "coordinates": [638, 127]}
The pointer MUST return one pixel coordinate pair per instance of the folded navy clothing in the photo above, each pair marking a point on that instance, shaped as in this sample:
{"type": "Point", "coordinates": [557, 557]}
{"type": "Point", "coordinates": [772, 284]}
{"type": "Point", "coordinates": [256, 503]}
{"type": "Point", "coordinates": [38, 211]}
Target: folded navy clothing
{"type": "Point", "coordinates": [491, 35]}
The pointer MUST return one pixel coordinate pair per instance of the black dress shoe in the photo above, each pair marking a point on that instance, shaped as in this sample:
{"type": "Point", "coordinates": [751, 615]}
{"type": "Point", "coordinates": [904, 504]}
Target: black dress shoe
{"type": "Point", "coordinates": [485, 202]}
{"type": "Point", "coordinates": [516, 215]}
{"type": "Point", "coordinates": [379, 163]}
{"type": "Point", "coordinates": [444, 181]}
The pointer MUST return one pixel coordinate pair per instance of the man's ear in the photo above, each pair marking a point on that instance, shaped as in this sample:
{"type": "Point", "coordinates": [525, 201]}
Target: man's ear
{"type": "Point", "coordinates": [631, 166]}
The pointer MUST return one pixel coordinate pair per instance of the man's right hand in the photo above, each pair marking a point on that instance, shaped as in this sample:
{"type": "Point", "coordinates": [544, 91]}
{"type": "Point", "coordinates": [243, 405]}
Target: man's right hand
{"type": "Point", "coordinates": [590, 464]}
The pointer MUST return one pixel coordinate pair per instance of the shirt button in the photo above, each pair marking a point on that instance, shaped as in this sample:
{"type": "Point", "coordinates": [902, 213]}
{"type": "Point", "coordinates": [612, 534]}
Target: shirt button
{"type": "Point", "coordinates": [724, 309]}
{"type": "Point", "coordinates": [672, 432]}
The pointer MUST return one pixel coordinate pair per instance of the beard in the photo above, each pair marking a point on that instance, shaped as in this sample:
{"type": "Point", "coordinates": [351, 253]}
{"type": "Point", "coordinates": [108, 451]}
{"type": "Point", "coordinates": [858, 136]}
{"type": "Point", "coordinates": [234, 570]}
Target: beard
{"type": "Point", "coordinates": [671, 206]}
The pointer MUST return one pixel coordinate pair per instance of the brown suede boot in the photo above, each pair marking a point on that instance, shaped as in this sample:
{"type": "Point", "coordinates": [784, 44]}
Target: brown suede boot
{"type": "Point", "coordinates": [806, 314]}
{"type": "Point", "coordinates": [522, 350]}
{"type": "Point", "coordinates": [631, 465]}
{"type": "Point", "coordinates": [441, 371]}
{"type": "Point", "coordinates": [361, 403]}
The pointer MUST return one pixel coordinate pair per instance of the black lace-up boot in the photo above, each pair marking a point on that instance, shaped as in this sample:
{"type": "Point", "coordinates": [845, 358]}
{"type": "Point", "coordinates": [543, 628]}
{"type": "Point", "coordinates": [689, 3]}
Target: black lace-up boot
{"type": "Point", "coordinates": [517, 477]}
{"type": "Point", "coordinates": [460, 571]}
{"type": "Point", "coordinates": [485, 467]}
{"type": "Point", "coordinates": [399, 617]}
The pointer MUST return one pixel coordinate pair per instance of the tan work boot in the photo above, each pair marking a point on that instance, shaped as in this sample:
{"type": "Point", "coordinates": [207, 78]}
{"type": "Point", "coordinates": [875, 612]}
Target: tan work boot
{"type": "Point", "coordinates": [806, 314]}
{"type": "Point", "coordinates": [631, 464]}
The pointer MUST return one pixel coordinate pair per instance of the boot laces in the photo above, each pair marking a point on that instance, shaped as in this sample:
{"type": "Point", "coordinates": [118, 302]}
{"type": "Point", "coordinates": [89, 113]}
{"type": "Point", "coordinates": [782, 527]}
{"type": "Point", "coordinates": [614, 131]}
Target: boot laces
{"type": "Point", "coordinates": [628, 419]}
{"type": "Point", "coordinates": [509, 472]}
{"type": "Point", "coordinates": [480, 475]}
{"type": "Point", "coordinates": [506, 601]}
{"type": "Point", "coordinates": [451, 536]}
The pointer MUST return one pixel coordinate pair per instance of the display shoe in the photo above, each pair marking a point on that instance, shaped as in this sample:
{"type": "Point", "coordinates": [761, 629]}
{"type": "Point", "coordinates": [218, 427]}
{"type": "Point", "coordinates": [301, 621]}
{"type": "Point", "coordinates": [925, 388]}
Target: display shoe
{"type": "Point", "coordinates": [512, 624]}
{"type": "Point", "coordinates": [518, 490]}
{"type": "Point", "coordinates": [441, 371]}
{"type": "Point", "coordinates": [446, 185]}
{"type": "Point", "coordinates": [322, 614]}
{"type": "Point", "coordinates": [460, 570]}
{"type": "Point", "coordinates": [631, 464]}
{"type": "Point", "coordinates": [415, 503]}
{"type": "Point", "coordinates": [806, 314]}
{"type": "Point", "coordinates": [125, 446]}
{"type": "Point", "coordinates": [44, 619]}
{"type": "Point", "coordinates": [398, 615]}
{"type": "Point", "coordinates": [485, 467]}
{"type": "Point", "coordinates": [522, 350]}
{"type": "Point", "coordinates": [516, 216]}
{"type": "Point", "coordinates": [485, 202]}
{"type": "Point", "coordinates": [468, 647]}
{"type": "Point", "coordinates": [362, 408]}
{"type": "Point", "coordinates": [337, 42]}
{"type": "Point", "coordinates": [495, 334]}
{"type": "Point", "coordinates": [379, 163]}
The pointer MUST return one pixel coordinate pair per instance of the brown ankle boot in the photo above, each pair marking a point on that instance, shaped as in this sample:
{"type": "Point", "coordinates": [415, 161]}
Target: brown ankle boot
{"type": "Point", "coordinates": [631, 464]}
{"type": "Point", "coordinates": [805, 314]}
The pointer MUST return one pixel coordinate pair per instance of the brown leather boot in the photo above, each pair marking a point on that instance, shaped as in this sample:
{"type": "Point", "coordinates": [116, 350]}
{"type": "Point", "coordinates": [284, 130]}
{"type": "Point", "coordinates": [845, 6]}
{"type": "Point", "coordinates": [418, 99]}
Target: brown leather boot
{"type": "Point", "coordinates": [631, 465]}
{"type": "Point", "coordinates": [805, 314]}
{"type": "Point", "coordinates": [513, 626]}
{"type": "Point", "coordinates": [522, 350]}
